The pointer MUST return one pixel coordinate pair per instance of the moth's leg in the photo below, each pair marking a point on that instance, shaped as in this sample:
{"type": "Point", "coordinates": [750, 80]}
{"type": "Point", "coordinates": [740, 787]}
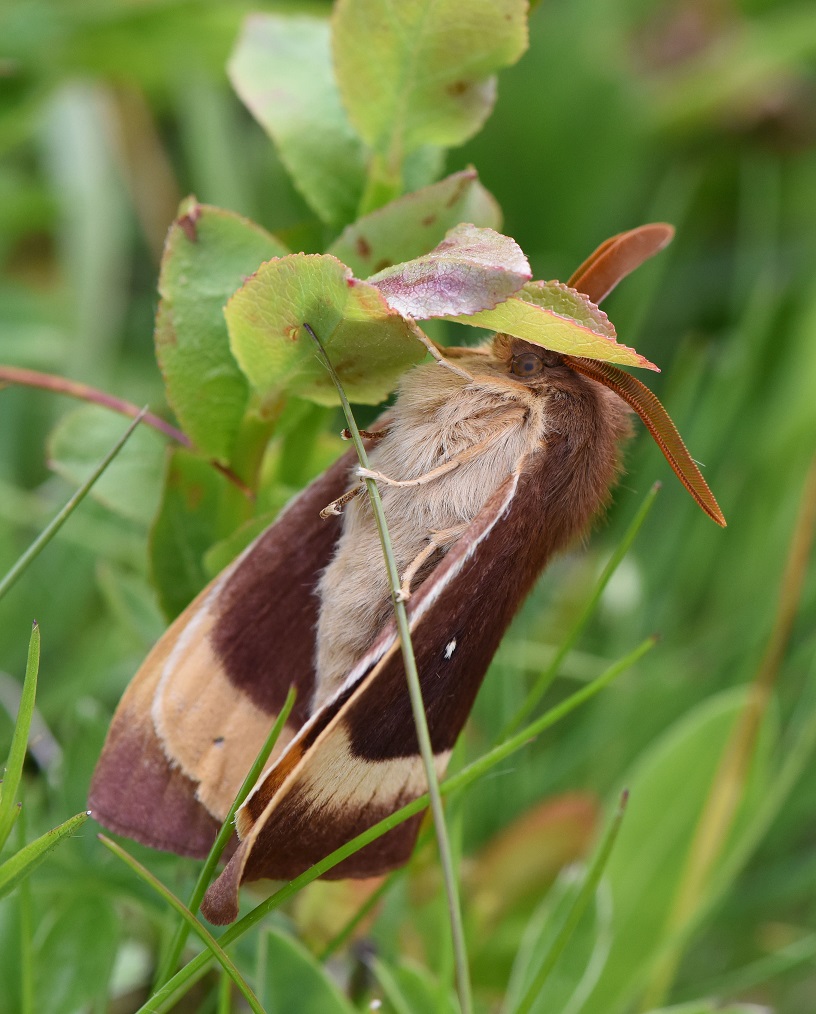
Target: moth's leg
{"type": "Point", "coordinates": [436, 541]}
{"type": "Point", "coordinates": [365, 434]}
{"type": "Point", "coordinates": [420, 335]}
{"type": "Point", "coordinates": [448, 466]}
{"type": "Point", "coordinates": [334, 507]}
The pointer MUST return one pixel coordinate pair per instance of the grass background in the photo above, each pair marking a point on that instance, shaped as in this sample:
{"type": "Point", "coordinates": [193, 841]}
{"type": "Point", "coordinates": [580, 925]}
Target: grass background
{"type": "Point", "coordinates": [621, 112]}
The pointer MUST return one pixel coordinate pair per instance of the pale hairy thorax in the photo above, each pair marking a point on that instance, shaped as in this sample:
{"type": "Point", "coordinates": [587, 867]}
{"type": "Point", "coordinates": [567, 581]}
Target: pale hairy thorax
{"type": "Point", "coordinates": [437, 416]}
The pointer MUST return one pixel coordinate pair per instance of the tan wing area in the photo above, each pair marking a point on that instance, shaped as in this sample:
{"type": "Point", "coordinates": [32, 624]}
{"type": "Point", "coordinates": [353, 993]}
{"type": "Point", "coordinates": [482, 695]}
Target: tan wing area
{"type": "Point", "coordinates": [198, 711]}
{"type": "Point", "coordinates": [136, 790]}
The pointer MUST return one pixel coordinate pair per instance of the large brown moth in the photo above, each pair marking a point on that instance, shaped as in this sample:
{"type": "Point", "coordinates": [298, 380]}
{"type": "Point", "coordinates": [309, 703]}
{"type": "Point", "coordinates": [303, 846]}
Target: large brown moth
{"type": "Point", "coordinates": [488, 464]}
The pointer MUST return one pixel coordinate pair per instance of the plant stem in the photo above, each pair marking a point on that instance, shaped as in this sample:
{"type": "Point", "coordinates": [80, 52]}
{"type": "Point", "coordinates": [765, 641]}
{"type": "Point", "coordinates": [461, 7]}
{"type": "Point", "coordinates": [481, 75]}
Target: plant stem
{"type": "Point", "coordinates": [417, 704]}
{"type": "Point", "coordinates": [84, 392]}
{"type": "Point", "coordinates": [54, 526]}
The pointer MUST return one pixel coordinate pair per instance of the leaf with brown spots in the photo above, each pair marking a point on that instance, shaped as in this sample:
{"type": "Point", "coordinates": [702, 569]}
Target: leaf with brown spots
{"type": "Point", "coordinates": [414, 224]}
{"type": "Point", "coordinates": [369, 342]}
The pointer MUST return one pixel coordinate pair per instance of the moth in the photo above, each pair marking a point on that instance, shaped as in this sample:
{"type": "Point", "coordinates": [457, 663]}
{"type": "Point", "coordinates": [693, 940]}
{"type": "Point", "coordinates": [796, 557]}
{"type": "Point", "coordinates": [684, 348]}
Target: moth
{"type": "Point", "coordinates": [488, 464]}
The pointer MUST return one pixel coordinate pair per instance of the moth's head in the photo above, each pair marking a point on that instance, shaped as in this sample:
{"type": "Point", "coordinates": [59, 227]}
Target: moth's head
{"type": "Point", "coordinates": [532, 364]}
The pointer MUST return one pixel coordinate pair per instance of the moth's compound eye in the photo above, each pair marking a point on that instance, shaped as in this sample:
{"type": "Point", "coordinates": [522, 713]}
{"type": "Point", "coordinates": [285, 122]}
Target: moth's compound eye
{"type": "Point", "coordinates": [528, 364]}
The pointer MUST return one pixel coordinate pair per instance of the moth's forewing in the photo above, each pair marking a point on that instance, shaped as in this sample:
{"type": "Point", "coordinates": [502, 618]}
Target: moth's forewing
{"type": "Point", "coordinates": [136, 790]}
{"type": "Point", "coordinates": [359, 761]}
{"type": "Point", "coordinates": [196, 714]}
{"type": "Point", "coordinates": [617, 257]}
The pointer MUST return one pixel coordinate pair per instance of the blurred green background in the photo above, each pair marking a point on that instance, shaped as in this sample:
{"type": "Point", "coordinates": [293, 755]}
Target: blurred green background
{"type": "Point", "coordinates": [623, 111]}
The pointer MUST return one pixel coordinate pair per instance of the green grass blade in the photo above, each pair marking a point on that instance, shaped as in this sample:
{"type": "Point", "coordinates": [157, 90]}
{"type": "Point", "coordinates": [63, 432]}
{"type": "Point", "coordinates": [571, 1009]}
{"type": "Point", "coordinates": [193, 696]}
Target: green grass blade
{"type": "Point", "coordinates": [26, 938]}
{"type": "Point", "coordinates": [168, 995]}
{"type": "Point", "coordinates": [417, 704]}
{"type": "Point", "coordinates": [204, 878]}
{"type": "Point", "coordinates": [582, 899]}
{"type": "Point", "coordinates": [19, 741]}
{"type": "Point", "coordinates": [542, 684]}
{"type": "Point", "coordinates": [24, 862]}
{"type": "Point", "coordinates": [207, 938]}
{"type": "Point", "coordinates": [59, 520]}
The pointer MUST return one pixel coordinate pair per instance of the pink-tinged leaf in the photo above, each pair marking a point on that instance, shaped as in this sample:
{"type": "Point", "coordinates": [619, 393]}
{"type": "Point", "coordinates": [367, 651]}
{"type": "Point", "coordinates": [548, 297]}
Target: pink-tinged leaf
{"type": "Point", "coordinates": [556, 317]}
{"type": "Point", "coordinates": [412, 225]}
{"type": "Point", "coordinates": [472, 269]}
{"type": "Point", "coordinates": [369, 343]}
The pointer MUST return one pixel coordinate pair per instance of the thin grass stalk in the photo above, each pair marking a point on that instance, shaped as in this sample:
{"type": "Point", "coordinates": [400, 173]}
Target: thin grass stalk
{"type": "Point", "coordinates": [224, 994]}
{"type": "Point", "coordinates": [728, 785]}
{"type": "Point", "coordinates": [57, 522]}
{"type": "Point", "coordinates": [214, 948]}
{"type": "Point", "coordinates": [168, 995]}
{"type": "Point", "coordinates": [417, 704]}
{"type": "Point", "coordinates": [19, 740]}
{"type": "Point", "coordinates": [545, 680]}
{"type": "Point", "coordinates": [205, 876]}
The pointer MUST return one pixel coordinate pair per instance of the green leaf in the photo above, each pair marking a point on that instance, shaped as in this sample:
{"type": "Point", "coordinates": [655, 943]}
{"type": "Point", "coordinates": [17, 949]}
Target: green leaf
{"type": "Point", "coordinates": [76, 957]}
{"type": "Point", "coordinates": [712, 1007]}
{"type": "Point", "coordinates": [130, 486]}
{"type": "Point", "coordinates": [19, 740]}
{"type": "Point", "coordinates": [282, 70]}
{"type": "Point", "coordinates": [207, 255]}
{"type": "Point", "coordinates": [472, 269]}
{"type": "Point", "coordinates": [299, 983]}
{"type": "Point", "coordinates": [421, 72]}
{"type": "Point", "coordinates": [581, 963]}
{"type": "Point", "coordinates": [668, 788]}
{"type": "Point", "coordinates": [407, 988]}
{"type": "Point", "coordinates": [369, 344]}
{"type": "Point", "coordinates": [556, 317]}
{"type": "Point", "coordinates": [24, 862]}
{"type": "Point", "coordinates": [414, 224]}
{"type": "Point", "coordinates": [199, 508]}
{"type": "Point", "coordinates": [131, 601]}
